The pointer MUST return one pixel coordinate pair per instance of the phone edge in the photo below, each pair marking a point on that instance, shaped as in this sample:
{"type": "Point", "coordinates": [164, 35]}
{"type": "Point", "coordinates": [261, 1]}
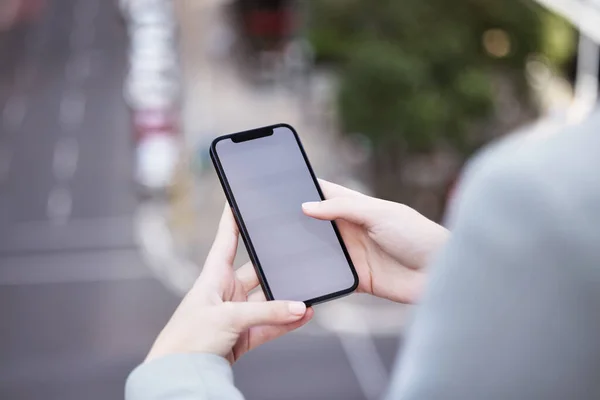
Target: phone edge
{"type": "Point", "coordinates": [238, 219]}
{"type": "Point", "coordinates": [354, 286]}
{"type": "Point", "coordinates": [246, 237]}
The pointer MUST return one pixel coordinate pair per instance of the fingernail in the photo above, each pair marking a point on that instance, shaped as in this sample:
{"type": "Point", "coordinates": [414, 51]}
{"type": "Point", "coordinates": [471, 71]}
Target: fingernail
{"type": "Point", "coordinates": [297, 308]}
{"type": "Point", "coordinates": [309, 206]}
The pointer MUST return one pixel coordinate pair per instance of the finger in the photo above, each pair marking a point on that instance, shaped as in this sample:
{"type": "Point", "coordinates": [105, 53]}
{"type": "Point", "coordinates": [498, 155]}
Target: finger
{"type": "Point", "coordinates": [244, 315]}
{"type": "Point", "coordinates": [262, 334]}
{"type": "Point", "coordinates": [257, 296]}
{"type": "Point", "coordinates": [225, 245]}
{"type": "Point", "coordinates": [246, 276]}
{"type": "Point", "coordinates": [362, 211]}
{"type": "Point", "coordinates": [331, 190]}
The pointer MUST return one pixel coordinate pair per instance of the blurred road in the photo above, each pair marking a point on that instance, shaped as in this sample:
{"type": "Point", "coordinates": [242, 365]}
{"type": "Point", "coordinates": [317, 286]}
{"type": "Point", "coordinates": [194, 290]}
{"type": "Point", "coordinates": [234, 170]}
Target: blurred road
{"type": "Point", "coordinates": [78, 309]}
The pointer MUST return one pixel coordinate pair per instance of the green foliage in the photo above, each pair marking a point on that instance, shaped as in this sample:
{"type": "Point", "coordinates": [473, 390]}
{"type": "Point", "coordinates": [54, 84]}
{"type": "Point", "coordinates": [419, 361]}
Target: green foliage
{"type": "Point", "coordinates": [558, 39]}
{"type": "Point", "coordinates": [419, 71]}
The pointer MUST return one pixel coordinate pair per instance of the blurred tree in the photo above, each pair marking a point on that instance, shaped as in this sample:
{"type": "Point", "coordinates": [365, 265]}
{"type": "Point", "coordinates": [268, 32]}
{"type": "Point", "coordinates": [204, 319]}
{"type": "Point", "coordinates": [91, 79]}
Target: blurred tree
{"type": "Point", "coordinates": [418, 76]}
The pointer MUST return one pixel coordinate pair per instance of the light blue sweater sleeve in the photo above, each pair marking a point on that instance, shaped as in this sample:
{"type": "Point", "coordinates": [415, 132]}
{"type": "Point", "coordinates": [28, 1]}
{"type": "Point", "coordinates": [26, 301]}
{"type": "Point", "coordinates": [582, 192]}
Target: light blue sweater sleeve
{"type": "Point", "coordinates": [511, 309]}
{"type": "Point", "coordinates": [183, 377]}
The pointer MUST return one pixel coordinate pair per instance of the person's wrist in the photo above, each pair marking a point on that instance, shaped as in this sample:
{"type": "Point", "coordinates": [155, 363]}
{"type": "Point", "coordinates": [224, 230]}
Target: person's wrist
{"type": "Point", "coordinates": [173, 341]}
{"type": "Point", "coordinates": [436, 237]}
{"type": "Point", "coordinates": [161, 348]}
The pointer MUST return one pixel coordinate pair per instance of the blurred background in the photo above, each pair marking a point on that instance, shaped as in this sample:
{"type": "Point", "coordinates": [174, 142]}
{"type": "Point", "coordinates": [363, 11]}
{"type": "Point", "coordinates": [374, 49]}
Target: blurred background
{"type": "Point", "coordinates": [108, 201]}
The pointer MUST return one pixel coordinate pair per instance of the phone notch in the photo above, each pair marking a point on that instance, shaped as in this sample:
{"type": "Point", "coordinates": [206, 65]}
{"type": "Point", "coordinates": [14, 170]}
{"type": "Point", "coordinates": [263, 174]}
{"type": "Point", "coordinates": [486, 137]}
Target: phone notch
{"type": "Point", "coordinates": [250, 135]}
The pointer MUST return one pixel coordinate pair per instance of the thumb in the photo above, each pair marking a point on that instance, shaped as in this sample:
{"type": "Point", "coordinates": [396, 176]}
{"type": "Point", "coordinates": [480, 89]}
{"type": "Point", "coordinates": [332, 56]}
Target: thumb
{"type": "Point", "coordinates": [359, 211]}
{"type": "Point", "coordinates": [245, 315]}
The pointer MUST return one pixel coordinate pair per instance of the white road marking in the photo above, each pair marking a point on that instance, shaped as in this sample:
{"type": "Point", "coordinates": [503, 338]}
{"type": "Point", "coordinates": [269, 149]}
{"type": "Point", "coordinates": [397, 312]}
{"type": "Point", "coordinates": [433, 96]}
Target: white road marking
{"type": "Point", "coordinates": [383, 318]}
{"type": "Point", "coordinates": [59, 206]}
{"type": "Point", "coordinates": [79, 67]}
{"type": "Point", "coordinates": [72, 109]}
{"type": "Point", "coordinates": [72, 275]}
{"type": "Point", "coordinates": [14, 112]}
{"type": "Point", "coordinates": [86, 11]}
{"type": "Point", "coordinates": [79, 235]}
{"type": "Point", "coordinates": [366, 364]}
{"type": "Point", "coordinates": [82, 37]}
{"type": "Point", "coordinates": [24, 76]}
{"type": "Point", "coordinates": [66, 155]}
{"type": "Point", "coordinates": [82, 225]}
{"type": "Point", "coordinates": [116, 265]}
{"type": "Point", "coordinates": [362, 354]}
{"type": "Point", "coordinates": [158, 249]}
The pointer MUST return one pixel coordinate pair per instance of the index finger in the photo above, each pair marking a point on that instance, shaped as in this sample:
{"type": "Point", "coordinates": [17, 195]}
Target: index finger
{"type": "Point", "coordinates": [332, 190]}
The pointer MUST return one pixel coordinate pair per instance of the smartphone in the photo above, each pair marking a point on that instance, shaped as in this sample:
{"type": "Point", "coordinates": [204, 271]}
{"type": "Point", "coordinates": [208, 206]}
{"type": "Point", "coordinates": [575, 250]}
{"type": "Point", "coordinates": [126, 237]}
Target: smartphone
{"type": "Point", "coordinates": [266, 176]}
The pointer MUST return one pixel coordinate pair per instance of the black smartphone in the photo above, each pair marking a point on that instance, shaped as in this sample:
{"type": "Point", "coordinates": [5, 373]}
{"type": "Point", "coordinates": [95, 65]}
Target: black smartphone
{"type": "Point", "coordinates": [266, 177]}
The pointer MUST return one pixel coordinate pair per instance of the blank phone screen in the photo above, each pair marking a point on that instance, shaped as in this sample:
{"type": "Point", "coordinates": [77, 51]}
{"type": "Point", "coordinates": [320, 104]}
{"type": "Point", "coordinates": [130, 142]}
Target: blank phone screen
{"type": "Point", "coordinates": [301, 257]}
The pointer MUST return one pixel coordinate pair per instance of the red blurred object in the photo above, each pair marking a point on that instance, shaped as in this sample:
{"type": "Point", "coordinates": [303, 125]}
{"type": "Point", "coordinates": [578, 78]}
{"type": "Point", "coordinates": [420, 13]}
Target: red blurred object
{"type": "Point", "coordinates": [30, 9]}
{"type": "Point", "coordinates": [267, 25]}
{"type": "Point", "coordinates": [262, 23]}
{"type": "Point", "coordinates": [154, 122]}
{"type": "Point", "coordinates": [15, 12]}
{"type": "Point", "coordinates": [156, 148]}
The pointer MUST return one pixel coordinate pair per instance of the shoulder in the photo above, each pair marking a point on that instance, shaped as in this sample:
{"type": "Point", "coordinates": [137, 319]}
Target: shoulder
{"type": "Point", "coordinates": [530, 172]}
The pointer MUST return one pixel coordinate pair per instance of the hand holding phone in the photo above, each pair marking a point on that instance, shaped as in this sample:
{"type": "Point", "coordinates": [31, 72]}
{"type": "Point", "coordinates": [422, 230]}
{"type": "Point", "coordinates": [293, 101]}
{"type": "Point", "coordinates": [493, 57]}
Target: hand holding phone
{"type": "Point", "coordinates": [390, 243]}
{"type": "Point", "coordinates": [266, 176]}
{"type": "Point", "coordinates": [219, 315]}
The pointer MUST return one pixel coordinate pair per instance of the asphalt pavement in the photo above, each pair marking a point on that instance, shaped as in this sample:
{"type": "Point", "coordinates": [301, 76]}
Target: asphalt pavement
{"type": "Point", "coordinates": [78, 308]}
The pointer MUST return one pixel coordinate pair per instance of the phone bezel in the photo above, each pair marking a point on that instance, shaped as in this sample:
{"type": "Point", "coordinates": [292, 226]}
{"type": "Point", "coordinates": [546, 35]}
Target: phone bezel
{"type": "Point", "coordinates": [253, 134]}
